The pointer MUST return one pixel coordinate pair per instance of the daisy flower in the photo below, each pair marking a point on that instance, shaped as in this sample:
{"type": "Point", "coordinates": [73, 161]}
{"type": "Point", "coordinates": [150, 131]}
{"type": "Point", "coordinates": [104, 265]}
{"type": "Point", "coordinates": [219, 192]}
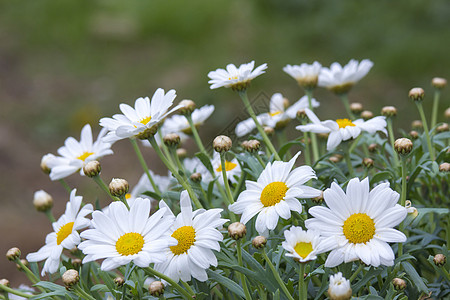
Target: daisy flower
{"type": "Point", "coordinates": [306, 75]}
{"type": "Point", "coordinates": [275, 194]}
{"type": "Point", "coordinates": [302, 245]}
{"type": "Point", "coordinates": [340, 79]}
{"type": "Point", "coordinates": [232, 168]}
{"type": "Point", "coordinates": [74, 155]}
{"type": "Point", "coordinates": [339, 288]}
{"type": "Point", "coordinates": [120, 236]}
{"type": "Point", "coordinates": [180, 125]}
{"type": "Point", "coordinates": [142, 120]}
{"type": "Point", "coordinates": [197, 236]}
{"type": "Point", "coordinates": [65, 235]}
{"type": "Point", "coordinates": [359, 223]}
{"type": "Point", "coordinates": [238, 79]}
{"type": "Point", "coordinates": [342, 129]}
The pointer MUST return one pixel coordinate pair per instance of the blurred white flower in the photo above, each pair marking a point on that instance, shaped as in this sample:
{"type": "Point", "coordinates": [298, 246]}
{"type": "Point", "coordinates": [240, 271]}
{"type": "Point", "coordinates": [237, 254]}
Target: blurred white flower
{"type": "Point", "coordinates": [179, 124]}
{"type": "Point", "coordinates": [235, 78]}
{"type": "Point", "coordinates": [306, 75]}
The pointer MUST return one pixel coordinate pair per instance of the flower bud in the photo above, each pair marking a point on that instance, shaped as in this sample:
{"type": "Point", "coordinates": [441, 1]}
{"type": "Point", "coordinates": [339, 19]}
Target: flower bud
{"type": "Point", "coordinates": [13, 254]}
{"type": "Point", "coordinates": [439, 82]}
{"type": "Point", "coordinates": [444, 167]}
{"type": "Point", "coordinates": [259, 242]}
{"type": "Point", "coordinates": [318, 199]}
{"type": "Point", "coordinates": [119, 281]}
{"type": "Point", "coordinates": [367, 162]}
{"type": "Point", "coordinates": [414, 134]}
{"type": "Point", "coordinates": [442, 128]}
{"type": "Point", "coordinates": [389, 111]}
{"type": "Point", "coordinates": [70, 278]}
{"type": "Point", "coordinates": [269, 130]}
{"type": "Point", "coordinates": [373, 147]}
{"type": "Point", "coordinates": [24, 262]}
{"type": "Point", "coordinates": [148, 133]}
{"type": "Point", "coordinates": [118, 187]}
{"type": "Point", "coordinates": [222, 143]}
{"type": "Point", "coordinates": [92, 168]}
{"type": "Point", "coordinates": [44, 163]}
{"type": "Point", "coordinates": [285, 102]}
{"type": "Point", "coordinates": [237, 230]}
{"type": "Point", "coordinates": [251, 146]}
{"type": "Point", "coordinates": [356, 107]}
{"type": "Point", "coordinates": [171, 139]}
{"type": "Point", "coordinates": [417, 124]}
{"type": "Point", "coordinates": [4, 282]}
{"type": "Point", "coordinates": [182, 153]}
{"type": "Point", "coordinates": [403, 146]}
{"type": "Point", "coordinates": [339, 288]}
{"type": "Point", "coordinates": [76, 263]}
{"type": "Point", "coordinates": [334, 159]}
{"type": "Point", "coordinates": [367, 114]}
{"type": "Point", "coordinates": [447, 113]}
{"type": "Point", "coordinates": [399, 284]}
{"type": "Point", "coordinates": [416, 94]}
{"type": "Point", "coordinates": [42, 201]}
{"type": "Point", "coordinates": [411, 210]}
{"type": "Point", "coordinates": [156, 288]}
{"type": "Point", "coordinates": [187, 108]}
{"type": "Point", "coordinates": [301, 114]}
{"type": "Point", "coordinates": [439, 259]}
{"type": "Point", "coordinates": [196, 177]}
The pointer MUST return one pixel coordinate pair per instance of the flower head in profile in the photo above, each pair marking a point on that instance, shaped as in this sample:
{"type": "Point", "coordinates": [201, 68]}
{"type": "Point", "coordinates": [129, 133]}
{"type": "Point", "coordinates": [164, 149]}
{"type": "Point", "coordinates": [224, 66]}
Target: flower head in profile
{"type": "Point", "coordinates": [339, 287]}
{"type": "Point", "coordinates": [120, 236]}
{"type": "Point", "coordinates": [197, 236]}
{"type": "Point", "coordinates": [75, 154]}
{"type": "Point", "coordinates": [358, 223]}
{"type": "Point", "coordinates": [275, 194]}
{"type": "Point", "coordinates": [340, 79]}
{"type": "Point", "coordinates": [302, 245]}
{"type": "Point", "coordinates": [238, 79]}
{"type": "Point", "coordinates": [180, 125]}
{"type": "Point", "coordinates": [142, 120]}
{"type": "Point", "coordinates": [65, 234]}
{"type": "Point", "coordinates": [306, 75]}
{"type": "Point", "coordinates": [342, 129]}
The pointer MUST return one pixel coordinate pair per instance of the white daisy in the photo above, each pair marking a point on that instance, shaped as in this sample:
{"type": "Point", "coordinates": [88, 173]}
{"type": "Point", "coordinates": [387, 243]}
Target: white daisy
{"type": "Point", "coordinates": [232, 168]}
{"type": "Point", "coordinates": [339, 287]}
{"type": "Point", "coordinates": [275, 194]}
{"type": "Point", "coordinates": [342, 129]}
{"type": "Point", "coordinates": [236, 78]}
{"type": "Point", "coordinates": [74, 154]}
{"type": "Point", "coordinates": [341, 79]}
{"type": "Point", "coordinates": [193, 165]}
{"type": "Point", "coordinates": [142, 120]}
{"type": "Point", "coordinates": [302, 245]}
{"type": "Point", "coordinates": [65, 235]}
{"type": "Point", "coordinates": [305, 74]}
{"type": "Point", "coordinates": [197, 236]}
{"type": "Point", "coordinates": [120, 236]}
{"type": "Point", "coordinates": [359, 223]}
{"type": "Point", "coordinates": [179, 124]}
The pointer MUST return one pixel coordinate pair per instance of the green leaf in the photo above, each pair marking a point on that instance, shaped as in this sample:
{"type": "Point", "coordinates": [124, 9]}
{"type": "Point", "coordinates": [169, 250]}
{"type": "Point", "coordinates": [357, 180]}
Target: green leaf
{"type": "Point", "coordinates": [99, 288]}
{"type": "Point", "coordinates": [424, 211]}
{"type": "Point", "coordinates": [153, 195]}
{"type": "Point", "coordinates": [381, 176]}
{"type": "Point", "coordinates": [287, 146]}
{"type": "Point", "coordinates": [415, 277]}
{"type": "Point", "coordinates": [226, 282]}
{"type": "Point", "coordinates": [205, 161]}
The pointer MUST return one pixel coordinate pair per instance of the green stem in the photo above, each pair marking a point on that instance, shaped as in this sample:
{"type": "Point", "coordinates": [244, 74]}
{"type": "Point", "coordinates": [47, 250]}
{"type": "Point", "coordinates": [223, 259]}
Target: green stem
{"type": "Point", "coordinates": [197, 138]}
{"type": "Point", "coordinates": [269, 145]}
{"type": "Point", "coordinates": [315, 148]}
{"type": "Point", "coordinates": [84, 295]}
{"type": "Point", "coordinates": [392, 140]}
{"type": "Point", "coordinates": [302, 289]}
{"type": "Point", "coordinates": [65, 185]}
{"type": "Point", "coordinates": [188, 287]}
{"type": "Point", "coordinates": [164, 147]}
{"type": "Point", "coordinates": [27, 271]}
{"type": "Point", "coordinates": [144, 165]}
{"type": "Point", "coordinates": [244, 283]}
{"type": "Point", "coordinates": [178, 287]}
{"type": "Point", "coordinates": [361, 266]}
{"type": "Point", "coordinates": [124, 200]}
{"type": "Point", "coordinates": [260, 160]}
{"type": "Point", "coordinates": [437, 94]}
{"type": "Point", "coordinates": [344, 99]}
{"type": "Point", "coordinates": [104, 187]}
{"type": "Point", "coordinates": [348, 160]}
{"type": "Point", "coordinates": [49, 215]}
{"type": "Point", "coordinates": [277, 276]}
{"type": "Point", "coordinates": [307, 152]}
{"type": "Point", "coordinates": [239, 185]}
{"type": "Point", "coordinates": [225, 179]}
{"type": "Point", "coordinates": [402, 199]}
{"type": "Point", "coordinates": [13, 291]}
{"type": "Point", "coordinates": [425, 128]}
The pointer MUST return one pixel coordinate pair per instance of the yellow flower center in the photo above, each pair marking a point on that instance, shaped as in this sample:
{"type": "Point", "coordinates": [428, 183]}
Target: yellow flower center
{"type": "Point", "coordinates": [359, 228]}
{"type": "Point", "coordinates": [64, 232]}
{"type": "Point", "coordinates": [273, 193]}
{"type": "Point", "coordinates": [275, 113]}
{"type": "Point", "coordinates": [186, 237]}
{"type": "Point", "coordinates": [303, 249]}
{"type": "Point", "coordinates": [344, 123]}
{"type": "Point", "coordinates": [233, 77]}
{"type": "Point", "coordinates": [85, 155]}
{"type": "Point", "coordinates": [127, 196]}
{"type": "Point", "coordinates": [228, 166]}
{"type": "Point", "coordinates": [145, 120]}
{"type": "Point", "coordinates": [130, 243]}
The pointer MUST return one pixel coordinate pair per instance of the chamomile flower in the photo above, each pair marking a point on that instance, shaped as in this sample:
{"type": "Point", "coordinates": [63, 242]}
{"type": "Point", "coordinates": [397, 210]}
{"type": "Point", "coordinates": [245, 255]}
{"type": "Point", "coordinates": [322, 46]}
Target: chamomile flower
{"type": "Point", "coordinates": [144, 185]}
{"type": "Point", "coordinates": [142, 120]}
{"type": "Point", "coordinates": [238, 79]}
{"type": "Point", "coordinates": [340, 79]}
{"type": "Point", "coordinates": [359, 223]}
{"type": "Point", "coordinates": [64, 236]}
{"type": "Point", "coordinates": [197, 236]}
{"type": "Point", "coordinates": [232, 168]}
{"type": "Point", "coordinates": [275, 194]}
{"type": "Point", "coordinates": [74, 155]}
{"type": "Point", "coordinates": [342, 129]}
{"type": "Point", "coordinates": [302, 245]}
{"type": "Point", "coordinates": [306, 75]}
{"type": "Point", "coordinates": [120, 236]}
{"type": "Point", "coordinates": [339, 287]}
{"type": "Point", "coordinates": [179, 124]}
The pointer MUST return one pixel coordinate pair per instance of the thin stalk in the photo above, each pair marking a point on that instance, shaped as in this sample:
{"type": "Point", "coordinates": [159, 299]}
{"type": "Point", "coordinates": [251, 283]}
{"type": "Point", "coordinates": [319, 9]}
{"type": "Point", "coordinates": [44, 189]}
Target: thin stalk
{"type": "Point", "coordinates": [27, 271]}
{"type": "Point", "coordinates": [197, 138]}
{"type": "Point", "coordinates": [164, 147]}
{"type": "Point", "coordinates": [361, 266]}
{"type": "Point", "coordinates": [104, 187]}
{"type": "Point", "coordinates": [425, 128]}
{"type": "Point", "coordinates": [344, 99]}
{"type": "Point", "coordinates": [49, 215]}
{"type": "Point", "coordinates": [348, 160]}
{"type": "Point", "coordinates": [124, 201]}
{"type": "Point", "coordinates": [244, 283]}
{"type": "Point", "coordinates": [13, 291]}
{"type": "Point", "coordinates": [281, 136]}
{"type": "Point", "coordinates": [250, 110]}
{"type": "Point", "coordinates": [84, 295]}
{"type": "Point", "coordinates": [65, 185]}
{"type": "Point", "coordinates": [315, 148]}
{"type": "Point", "coordinates": [402, 200]}
{"type": "Point", "coordinates": [260, 160]}
{"type": "Point", "coordinates": [307, 152]}
{"type": "Point", "coordinates": [437, 94]}
{"type": "Point", "coordinates": [392, 140]}
{"type": "Point", "coordinates": [302, 288]}
{"type": "Point", "coordinates": [225, 179]}
{"type": "Point", "coordinates": [144, 165]}
{"type": "Point", "coordinates": [180, 166]}
{"type": "Point", "coordinates": [277, 276]}
{"type": "Point", "coordinates": [239, 185]}
{"type": "Point", "coordinates": [188, 287]}
{"type": "Point", "coordinates": [178, 287]}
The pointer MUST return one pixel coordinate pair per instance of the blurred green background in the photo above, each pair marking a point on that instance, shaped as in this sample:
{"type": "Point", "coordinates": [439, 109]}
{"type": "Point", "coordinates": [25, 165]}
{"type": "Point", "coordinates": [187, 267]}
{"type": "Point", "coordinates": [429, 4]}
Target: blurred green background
{"type": "Point", "coordinates": [67, 63]}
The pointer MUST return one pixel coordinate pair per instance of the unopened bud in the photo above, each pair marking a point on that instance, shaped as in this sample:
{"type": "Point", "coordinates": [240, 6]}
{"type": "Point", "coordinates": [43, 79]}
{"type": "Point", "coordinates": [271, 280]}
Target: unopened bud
{"type": "Point", "coordinates": [339, 287]}
{"type": "Point", "coordinates": [252, 146]}
{"type": "Point", "coordinates": [416, 94]}
{"type": "Point", "coordinates": [367, 114]}
{"type": "Point", "coordinates": [70, 278]}
{"type": "Point", "coordinates": [439, 259]}
{"type": "Point", "coordinates": [334, 159]}
{"type": "Point", "coordinates": [269, 130]}
{"type": "Point", "coordinates": [119, 281]}
{"type": "Point", "coordinates": [439, 82]}
{"type": "Point", "coordinates": [196, 177]}
{"type": "Point", "coordinates": [373, 147]}
{"type": "Point", "coordinates": [42, 201]}
{"type": "Point", "coordinates": [92, 168]}
{"type": "Point", "coordinates": [444, 167]}
{"type": "Point", "coordinates": [414, 134]}
{"type": "Point", "coordinates": [44, 163]}
{"type": "Point", "coordinates": [118, 187]}
{"type": "Point", "coordinates": [301, 114]}
{"type": "Point", "coordinates": [76, 263]}
{"type": "Point", "coordinates": [442, 128]}
{"type": "Point", "coordinates": [181, 153]}
{"type": "Point", "coordinates": [13, 254]}
{"type": "Point", "coordinates": [389, 111]}
{"type": "Point", "coordinates": [187, 108]}
{"type": "Point", "coordinates": [399, 284]}
{"type": "Point", "coordinates": [417, 124]}
{"type": "Point", "coordinates": [171, 139]}
{"type": "Point", "coordinates": [259, 242]}
{"type": "Point", "coordinates": [367, 162]}
{"type": "Point", "coordinates": [4, 282]}
{"type": "Point", "coordinates": [447, 113]}
{"type": "Point", "coordinates": [237, 230]}
{"type": "Point", "coordinates": [318, 199]}
{"type": "Point", "coordinates": [403, 146]}
{"type": "Point", "coordinates": [222, 143]}
{"type": "Point", "coordinates": [356, 107]}
{"type": "Point", "coordinates": [156, 288]}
